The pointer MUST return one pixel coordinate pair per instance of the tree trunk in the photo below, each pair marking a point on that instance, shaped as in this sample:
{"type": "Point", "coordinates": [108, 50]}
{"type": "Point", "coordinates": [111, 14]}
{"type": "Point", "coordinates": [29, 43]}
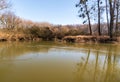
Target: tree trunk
{"type": "Point", "coordinates": [117, 13]}
{"type": "Point", "coordinates": [87, 12]}
{"type": "Point", "coordinates": [112, 7]}
{"type": "Point", "coordinates": [107, 18]}
{"type": "Point", "coordinates": [99, 30]}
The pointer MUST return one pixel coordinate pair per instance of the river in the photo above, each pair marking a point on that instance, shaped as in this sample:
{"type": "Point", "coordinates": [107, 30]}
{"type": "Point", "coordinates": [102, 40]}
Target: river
{"type": "Point", "coordinates": [59, 62]}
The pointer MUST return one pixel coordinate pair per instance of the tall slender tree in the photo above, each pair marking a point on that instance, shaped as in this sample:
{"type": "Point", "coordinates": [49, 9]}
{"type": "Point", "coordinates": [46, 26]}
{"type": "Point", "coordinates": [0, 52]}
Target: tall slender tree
{"type": "Point", "coordinates": [107, 16]}
{"type": "Point", "coordinates": [85, 12]}
{"type": "Point", "coordinates": [112, 13]}
{"type": "Point", "coordinates": [98, 4]}
{"type": "Point", "coordinates": [117, 15]}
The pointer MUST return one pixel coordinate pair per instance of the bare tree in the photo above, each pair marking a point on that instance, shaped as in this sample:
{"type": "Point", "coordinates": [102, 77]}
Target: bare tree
{"type": "Point", "coordinates": [10, 20]}
{"type": "Point", "coordinates": [107, 17]}
{"type": "Point", "coordinates": [112, 13]}
{"type": "Point", "coordinates": [99, 32]}
{"type": "Point", "coordinates": [85, 12]}
{"type": "Point", "coordinates": [117, 15]}
{"type": "Point", "coordinates": [4, 4]}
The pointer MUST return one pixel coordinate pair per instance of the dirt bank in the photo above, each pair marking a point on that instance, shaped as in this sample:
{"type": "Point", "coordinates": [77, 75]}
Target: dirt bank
{"type": "Point", "coordinates": [90, 39]}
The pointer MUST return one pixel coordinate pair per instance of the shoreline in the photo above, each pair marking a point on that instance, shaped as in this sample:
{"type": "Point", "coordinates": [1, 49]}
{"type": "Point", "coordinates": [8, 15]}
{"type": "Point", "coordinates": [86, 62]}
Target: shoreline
{"type": "Point", "coordinates": [91, 39]}
{"type": "Point", "coordinates": [67, 39]}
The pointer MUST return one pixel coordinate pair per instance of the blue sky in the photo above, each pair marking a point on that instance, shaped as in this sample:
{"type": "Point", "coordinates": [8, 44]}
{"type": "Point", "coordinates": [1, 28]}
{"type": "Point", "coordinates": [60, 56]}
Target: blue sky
{"type": "Point", "coordinates": [52, 11]}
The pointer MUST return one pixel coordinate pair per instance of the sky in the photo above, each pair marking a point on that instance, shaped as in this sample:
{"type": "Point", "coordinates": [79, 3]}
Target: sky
{"type": "Point", "coordinates": [52, 11]}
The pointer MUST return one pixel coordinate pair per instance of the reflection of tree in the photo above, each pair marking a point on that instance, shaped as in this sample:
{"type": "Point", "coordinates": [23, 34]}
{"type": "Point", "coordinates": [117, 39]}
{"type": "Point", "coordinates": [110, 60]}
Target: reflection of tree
{"type": "Point", "coordinates": [109, 64]}
{"type": "Point", "coordinates": [85, 65]}
{"type": "Point", "coordinates": [103, 68]}
{"type": "Point", "coordinates": [100, 70]}
{"type": "Point", "coordinates": [96, 64]}
{"type": "Point", "coordinates": [114, 61]}
{"type": "Point", "coordinates": [82, 71]}
{"type": "Point", "coordinates": [111, 72]}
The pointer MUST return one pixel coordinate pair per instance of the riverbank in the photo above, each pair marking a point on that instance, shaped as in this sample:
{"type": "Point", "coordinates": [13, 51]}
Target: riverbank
{"type": "Point", "coordinates": [91, 39]}
{"type": "Point", "coordinates": [5, 36]}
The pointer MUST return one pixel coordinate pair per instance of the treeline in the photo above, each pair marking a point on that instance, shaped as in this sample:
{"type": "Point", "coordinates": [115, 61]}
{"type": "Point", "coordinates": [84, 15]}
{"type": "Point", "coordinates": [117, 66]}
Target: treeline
{"type": "Point", "coordinates": [18, 28]}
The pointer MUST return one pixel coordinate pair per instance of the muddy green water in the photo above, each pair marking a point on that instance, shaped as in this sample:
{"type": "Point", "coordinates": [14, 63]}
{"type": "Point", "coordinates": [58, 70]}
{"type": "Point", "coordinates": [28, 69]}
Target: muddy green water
{"type": "Point", "coordinates": [57, 62]}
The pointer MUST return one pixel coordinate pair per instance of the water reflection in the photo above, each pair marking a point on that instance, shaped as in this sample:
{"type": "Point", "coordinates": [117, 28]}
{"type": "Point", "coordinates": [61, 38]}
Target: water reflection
{"type": "Point", "coordinates": [57, 62]}
{"type": "Point", "coordinates": [100, 68]}
{"type": "Point", "coordinates": [13, 50]}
